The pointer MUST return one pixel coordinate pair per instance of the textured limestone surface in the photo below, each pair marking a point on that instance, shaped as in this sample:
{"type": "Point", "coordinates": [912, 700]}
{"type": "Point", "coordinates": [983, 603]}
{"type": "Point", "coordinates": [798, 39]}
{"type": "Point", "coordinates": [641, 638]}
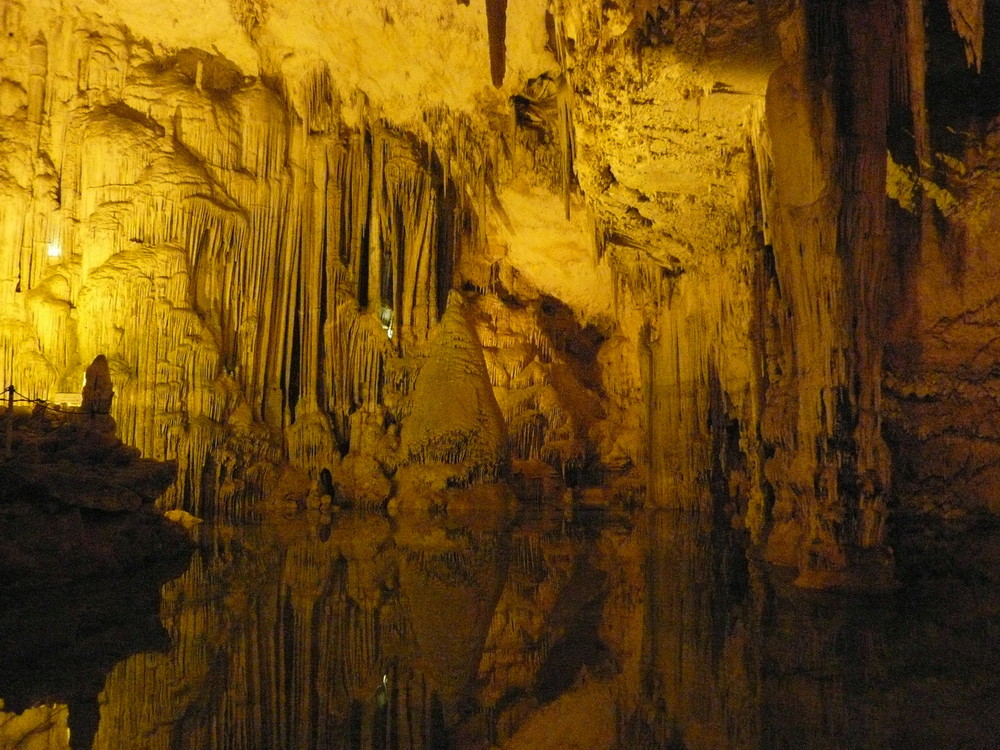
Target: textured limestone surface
{"type": "Point", "coordinates": [685, 235]}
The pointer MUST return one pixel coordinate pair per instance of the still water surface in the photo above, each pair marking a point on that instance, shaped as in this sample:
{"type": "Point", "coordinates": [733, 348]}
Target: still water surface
{"type": "Point", "coordinates": [642, 630]}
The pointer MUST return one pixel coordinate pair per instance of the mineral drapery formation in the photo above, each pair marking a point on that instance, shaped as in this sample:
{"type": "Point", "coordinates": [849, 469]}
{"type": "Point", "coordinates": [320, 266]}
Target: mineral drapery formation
{"type": "Point", "coordinates": [684, 234]}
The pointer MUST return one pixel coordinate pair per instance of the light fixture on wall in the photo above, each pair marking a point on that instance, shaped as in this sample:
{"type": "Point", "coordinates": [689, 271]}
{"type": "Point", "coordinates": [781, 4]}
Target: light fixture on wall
{"type": "Point", "coordinates": [385, 318]}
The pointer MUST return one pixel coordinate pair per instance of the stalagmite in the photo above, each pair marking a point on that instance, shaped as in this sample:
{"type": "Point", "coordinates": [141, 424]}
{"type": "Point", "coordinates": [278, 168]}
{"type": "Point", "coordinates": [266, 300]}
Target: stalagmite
{"type": "Point", "coordinates": [829, 250]}
{"type": "Point", "coordinates": [455, 421]}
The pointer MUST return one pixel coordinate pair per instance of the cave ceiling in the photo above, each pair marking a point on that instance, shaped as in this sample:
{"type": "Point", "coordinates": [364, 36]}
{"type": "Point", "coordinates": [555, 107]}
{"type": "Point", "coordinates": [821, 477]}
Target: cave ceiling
{"type": "Point", "coordinates": [644, 104]}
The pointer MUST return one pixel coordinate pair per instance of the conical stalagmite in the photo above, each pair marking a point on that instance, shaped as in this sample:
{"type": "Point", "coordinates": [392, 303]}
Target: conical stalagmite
{"type": "Point", "coordinates": [455, 419]}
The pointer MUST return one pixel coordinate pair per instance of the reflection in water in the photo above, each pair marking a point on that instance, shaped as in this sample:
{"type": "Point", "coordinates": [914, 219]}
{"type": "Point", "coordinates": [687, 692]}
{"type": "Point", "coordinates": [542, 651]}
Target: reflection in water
{"type": "Point", "coordinates": [699, 678]}
{"type": "Point", "coordinates": [58, 645]}
{"type": "Point", "coordinates": [651, 630]}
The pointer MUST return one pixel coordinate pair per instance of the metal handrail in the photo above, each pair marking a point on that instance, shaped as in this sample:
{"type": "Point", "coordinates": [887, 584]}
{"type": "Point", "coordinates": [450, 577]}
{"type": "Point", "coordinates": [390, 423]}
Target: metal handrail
{"type": "Point", "coordinates": [9, 432]}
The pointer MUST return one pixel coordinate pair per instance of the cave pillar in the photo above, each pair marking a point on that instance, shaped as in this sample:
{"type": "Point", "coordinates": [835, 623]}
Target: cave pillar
{"type": "Point", "coordinates": [826, 115]}
{"type": "Point", "coordinates": [37, 73]}
{"type": "Point", "coordinates": [678, 442]}
{"type": "Point", "coordinates": [702, 393]}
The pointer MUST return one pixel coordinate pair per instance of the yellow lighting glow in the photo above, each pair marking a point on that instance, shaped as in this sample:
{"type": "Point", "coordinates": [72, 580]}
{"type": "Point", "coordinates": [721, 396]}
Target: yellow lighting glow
{"type": "Point", "coordinates": [385, 317]}
{"type": "Point", "coordinates": [55, 250]}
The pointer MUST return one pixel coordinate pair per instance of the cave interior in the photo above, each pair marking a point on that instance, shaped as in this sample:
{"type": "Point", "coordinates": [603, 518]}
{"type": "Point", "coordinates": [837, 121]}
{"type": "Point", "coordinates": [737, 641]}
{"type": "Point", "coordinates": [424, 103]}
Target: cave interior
{"type": "Point", "coordinates": [725, 259]}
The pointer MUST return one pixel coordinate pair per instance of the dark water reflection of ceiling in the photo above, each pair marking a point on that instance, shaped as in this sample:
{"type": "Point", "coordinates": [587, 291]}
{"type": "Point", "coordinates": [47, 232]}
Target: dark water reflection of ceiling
{"type": "Point", "coordinates": [650, 630]}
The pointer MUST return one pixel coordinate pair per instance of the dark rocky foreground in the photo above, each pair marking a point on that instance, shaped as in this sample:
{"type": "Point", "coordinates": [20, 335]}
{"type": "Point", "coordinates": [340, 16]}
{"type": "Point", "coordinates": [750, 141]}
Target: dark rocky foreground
{"type": "Point", "coordinates": [76, 502]}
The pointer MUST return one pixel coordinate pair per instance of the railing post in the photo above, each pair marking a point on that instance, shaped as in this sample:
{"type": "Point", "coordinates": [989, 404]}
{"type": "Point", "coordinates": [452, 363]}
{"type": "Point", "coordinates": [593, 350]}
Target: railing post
{"type": "Point", "coordinates": [9, 437]}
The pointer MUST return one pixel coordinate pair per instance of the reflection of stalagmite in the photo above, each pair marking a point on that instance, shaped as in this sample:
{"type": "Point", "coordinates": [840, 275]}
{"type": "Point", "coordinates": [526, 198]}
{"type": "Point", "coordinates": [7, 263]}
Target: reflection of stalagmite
{"type": "Point", "coordinates": [823, 682]}
{"type": "Point", "coordinates": [450, 581]}
{"type": "Point", "coordinates": [44, 727]}
{"type": "Point", "coordinates": [312, 641]}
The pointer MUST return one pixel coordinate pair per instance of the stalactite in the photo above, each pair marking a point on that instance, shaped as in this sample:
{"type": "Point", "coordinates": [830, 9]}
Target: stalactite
{"type": "Point", "coordinates": [271, 248]}
{"type": "Point", "coordinates": [824, 299]}
{"type": "Point", "coordinates": [311, 443]}
{"type": "Point", "coordinates": [967, 18]}
{"type": "Point", "coordinates": [496, 22]}
{"type": "Point", "coordinates": [50, 313]}
{"type": "Point", "coordinates": [367, 349]}
{"type": "Point", "coordinates": [17, 265]}
{"type": "Point", "coordinates": [641, 277]}
{"type": "Point", "coordinates": [564, 104]}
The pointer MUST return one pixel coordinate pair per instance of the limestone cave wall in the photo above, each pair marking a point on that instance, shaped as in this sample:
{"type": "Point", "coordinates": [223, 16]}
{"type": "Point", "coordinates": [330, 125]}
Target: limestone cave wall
{"type": "Point", "coordinates": [676, 239]}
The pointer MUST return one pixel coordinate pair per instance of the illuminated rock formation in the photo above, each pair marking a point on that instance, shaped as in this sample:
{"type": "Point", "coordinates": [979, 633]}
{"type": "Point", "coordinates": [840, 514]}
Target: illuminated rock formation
{"type": "Point", "coordinates": [668, 221]}
{"type": "Point", "coordinates": [455, 421]}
